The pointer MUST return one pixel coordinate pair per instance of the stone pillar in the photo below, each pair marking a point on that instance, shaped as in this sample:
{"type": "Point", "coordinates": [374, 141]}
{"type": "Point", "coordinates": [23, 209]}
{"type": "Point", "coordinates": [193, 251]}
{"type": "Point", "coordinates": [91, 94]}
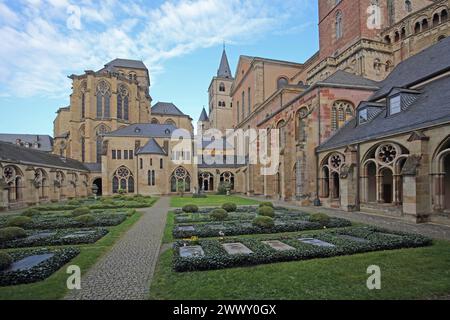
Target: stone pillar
{"type": "Point", "coordinates": [379, 183]}
{"type": "Point", "coordinates": [397, 189]}
{"type": "Point", "coordinates": [364, 188]}
{"type": "Point", "coordinates": [4, 202]}
{"type": "Point", "coordinates": [438, 182]}
{"type": "Point", "coordinates": [348, 187]}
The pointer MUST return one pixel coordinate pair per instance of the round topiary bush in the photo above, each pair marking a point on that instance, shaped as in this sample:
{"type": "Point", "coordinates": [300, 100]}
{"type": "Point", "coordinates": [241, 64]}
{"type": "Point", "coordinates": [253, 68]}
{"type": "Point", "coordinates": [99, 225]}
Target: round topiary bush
{"type": "Point", "coordinates": [74, 202]}
{"type": "Point", "coordinates": [18, 221]}
{"type": "Point", "coordinates": [229, 207]}
{"type": "Point", "coordinates": [85, 219]}
{"type": "Point", "coordinates": [31, 212]}
{"type": "Point", "coordinates": [12, 233]}
{"type": "Point", "coordinates": [266, 204]}
{"type": "Point", "coordinates": [81, 211]}
{"type": "Point", "coordinates": [218, 214]}
{"type": "Point", "coordinates": [190, 208]}
{"type": "Point", "coordinates": [264, 222]}
{"type": "Point", "coordinates": [321, 218]}
{"type": "Point", "coordinates": [266, 211]}
{"type": "Point", "coordinates": [5, 261]}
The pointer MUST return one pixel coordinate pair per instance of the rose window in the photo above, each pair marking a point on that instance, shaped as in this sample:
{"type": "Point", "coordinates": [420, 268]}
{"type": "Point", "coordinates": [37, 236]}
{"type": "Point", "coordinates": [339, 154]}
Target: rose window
{"type": "Point", "coordinates": [9, 173]}
{"type": "Point", "coordinates": [123, 172]}
{"type": "Point", "coordinates": [387, 153]}
{"type": "Point", "coordinates": [335, 161]}
{"type": "Point", "coordinates": [180, 173]}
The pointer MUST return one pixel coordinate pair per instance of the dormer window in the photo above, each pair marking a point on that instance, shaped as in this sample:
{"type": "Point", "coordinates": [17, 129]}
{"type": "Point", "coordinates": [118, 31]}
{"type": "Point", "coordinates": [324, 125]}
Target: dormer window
{"type": "Point", "coordinates": [363, 116]}
{"type": "Point", "coordinates": [137, 130]}
{"type": "Point", "coordinates": [395, 105]}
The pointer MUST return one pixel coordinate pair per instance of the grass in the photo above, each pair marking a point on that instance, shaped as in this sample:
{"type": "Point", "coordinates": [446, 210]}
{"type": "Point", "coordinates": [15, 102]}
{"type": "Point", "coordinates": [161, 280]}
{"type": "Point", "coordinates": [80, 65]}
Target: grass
{"type": "Point", "coordinates": [211, 201]}
{"type": "Point", "coordinates": [168, 237]}
{"type": "Point", "coordinates": [54, 287]}
{"type": "Point", "coordinates": [405, 274]}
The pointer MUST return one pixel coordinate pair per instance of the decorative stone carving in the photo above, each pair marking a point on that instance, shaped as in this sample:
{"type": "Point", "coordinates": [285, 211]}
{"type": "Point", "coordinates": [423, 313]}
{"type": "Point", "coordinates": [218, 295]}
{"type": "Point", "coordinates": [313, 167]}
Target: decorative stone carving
{"type": "Point", "coordinates": [411, 165]}
{"type": "Point", "coordinates": [346, 170]}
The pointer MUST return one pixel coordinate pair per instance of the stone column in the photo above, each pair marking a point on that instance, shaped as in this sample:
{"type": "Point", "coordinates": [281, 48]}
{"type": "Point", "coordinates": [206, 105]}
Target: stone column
{"type": "Point", "coordinates": [438, 181]}
{"type": "Point", "coordinates": [397, 187]}
{"type": "Point", "coordinates": [379, 184]}
{"type": "Point", "coordinates": [3, 195]}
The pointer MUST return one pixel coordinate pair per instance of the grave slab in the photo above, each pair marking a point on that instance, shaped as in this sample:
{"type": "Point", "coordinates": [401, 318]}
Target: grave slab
{"type": "Point", "coordinates": [278, 245]}
{"type": "Point", "coordinates": [316, 242]}
{"type": "Point", "coordinates": [29, 262]}
{"type": "Point", "coordinates": [191, 252]}
{"type": "Point", "coordinates": [186, 228]}
{"type": "Point", "coordinates": [352, 238]}
{"type": "Point", "coordinates": [236, 248]}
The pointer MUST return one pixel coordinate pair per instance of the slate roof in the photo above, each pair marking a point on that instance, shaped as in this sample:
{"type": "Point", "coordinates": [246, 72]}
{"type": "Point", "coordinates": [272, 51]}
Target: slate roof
{"type": "Point", "coordinates": [45, 142]}
{"type": "Point", "coordinates": [144, 130]}
{"type": "Point", "coordinates": [151, 147]}
{"type": "Point", "coordinates": [224, 70]}
{"type": "Point", "coordinates": [210, 144]}
{"type": "Point", "coordinates": [204, 161]}
{"type": "Point", "coordinates": [203, 116]}
{"type": "Point", "coordinates": [166, 108]}
{"type": "Point", "coordinates": [126, 63]}
{"type": "Point", "coordinates": [93, 167]}
{"type": "Point", "coordinates": [431, 107]}
{"type": "Point", "coordinates": [346, 78]}
{"type": "Point", "coordinates": [14, 153]}
{"type": "Point", "coordinates": [415, 69]}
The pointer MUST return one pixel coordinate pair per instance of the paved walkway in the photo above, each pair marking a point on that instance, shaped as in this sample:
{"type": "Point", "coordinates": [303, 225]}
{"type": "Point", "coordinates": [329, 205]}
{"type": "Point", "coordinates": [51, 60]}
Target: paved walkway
{"type": "Point", "coordinates": [432, 230]}
{"type": "Point", "coordinates": [124, 273]}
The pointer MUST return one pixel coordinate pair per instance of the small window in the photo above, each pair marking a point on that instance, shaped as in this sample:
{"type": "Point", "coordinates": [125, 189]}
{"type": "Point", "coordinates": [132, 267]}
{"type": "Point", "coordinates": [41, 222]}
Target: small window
{"type": "Point", "coordinates": [130, 154]}
{"type": "Point", "coordinates": [151, 162]}
{"type": "Point", "coordinates": [161, 163]}
{"type": "Point", "coordinates": [119, 154]}
{"type": "Point", "coordinates": [222, 87]}
{"type": "Point", "coordinates": [395, 105]}
{"type": "Point", "coordinates": [114, 155]}
{"type": "Point", "coordinates": [125, 154]}
{"type": "Point", "coordinates": [363, 116]}
{"type": "Point", "coordinates": [141, 163]}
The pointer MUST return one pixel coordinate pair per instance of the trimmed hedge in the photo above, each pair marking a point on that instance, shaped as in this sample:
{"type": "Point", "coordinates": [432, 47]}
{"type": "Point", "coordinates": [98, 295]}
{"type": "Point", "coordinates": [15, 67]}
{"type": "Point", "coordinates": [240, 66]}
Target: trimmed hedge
{"type": "Point", "coordinates": [5, 261]}
{"type": "Point", "coordinates": [266, 204]}
{"type": "Point", "coordinates": [11, 233]}
{"type": "Point", "coordinates": [81, 211]}
{"type": "Point", "coordinates": [235, 228]}
{"type": "Point", "coordinates": [375, 240]}
{"type": "Point", "coordinates": [18, 221]}
{"type": "Point", "coordinates": [40, 272]}
{"type": "Point", "coordinates": [266, 211]}
{"type": "Point", "coordinates": [31, 212]}
{"type": "Point", "coordinates": [56, 238]}
{"type": "Point", "coordinates": [264, 222]}
{"type": "Point", "coordinates": [218, 214]}
{"type": "Point", "coordinates": [65, 222]}
{"type": "Point", "coordinates": [190, 208]}
{"type": "Point", "coordinates": [321, 218]}
{"type": "Point", "coordinates": [86, 219]}
{"type": "Point", "coordinates": [229, 207]}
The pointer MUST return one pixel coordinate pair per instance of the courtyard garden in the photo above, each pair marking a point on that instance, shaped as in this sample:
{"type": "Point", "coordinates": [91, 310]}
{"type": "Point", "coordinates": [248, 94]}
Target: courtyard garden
{"type": "Point", "coordinates": [262, 252]}
{"type": "Point", "coordinates": [210, 201]}
{"type": "Point", "coordinates": [36, 243]}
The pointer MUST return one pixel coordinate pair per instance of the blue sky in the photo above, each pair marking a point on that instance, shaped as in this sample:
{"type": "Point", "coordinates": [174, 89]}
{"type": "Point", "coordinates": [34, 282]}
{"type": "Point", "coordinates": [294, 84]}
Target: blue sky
{"type": "Point", "coordinates": [180, 41]}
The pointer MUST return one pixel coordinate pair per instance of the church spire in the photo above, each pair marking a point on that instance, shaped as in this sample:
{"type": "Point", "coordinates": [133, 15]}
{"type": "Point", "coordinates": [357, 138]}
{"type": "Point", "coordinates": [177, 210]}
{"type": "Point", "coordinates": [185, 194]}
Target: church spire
{"type": "Point", "coordinates": [224, 68]}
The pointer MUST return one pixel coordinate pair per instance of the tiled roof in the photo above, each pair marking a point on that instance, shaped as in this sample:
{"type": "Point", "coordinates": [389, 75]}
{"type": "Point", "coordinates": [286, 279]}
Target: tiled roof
{"type": "Point", "coordinates": [144, 130]}
{"type": "Point", "coordinates": [346, 78]}
{"type": "Point", "coordinates": [44, 142]}
{"type": "Point", "coordinates": [13, 153]}
{"type": "Point", "coordinates": [93, 167]}
{"type": "Point", "coordinates": [125, 63]}
{"type": "Point", "coordinates": [151, 147]}
{"type": "Point", "coordinates": [166, 108]}
{"type": "Point", "coordinates": [426, 63]}
{"type": "Point", "coordinates": [203, 116]}
{"type": "Point", "coordinates": [224, 67]}
{"type": "Point", "coordinates": [431, 107]}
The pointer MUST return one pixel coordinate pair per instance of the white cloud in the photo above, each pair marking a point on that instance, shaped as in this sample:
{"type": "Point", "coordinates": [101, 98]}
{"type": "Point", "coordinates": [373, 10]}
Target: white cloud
{"type": "Point", "coordinates": [39, 52]}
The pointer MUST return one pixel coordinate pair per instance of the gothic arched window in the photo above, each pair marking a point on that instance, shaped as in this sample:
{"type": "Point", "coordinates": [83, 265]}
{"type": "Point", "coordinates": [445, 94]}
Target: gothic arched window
{"type": "Point", "coordinates": [341, 112]}
{"type": "Point", "coordinates": [339, 26]}
{"type": "Point", "coordinates": [123, 180]}
{"type": "Point", "coordinates": [122, 103]}
{"type": "Point", "coordinates": [83, 89]}
{"type": "Point", "coordinates": [282, 82]}
{"type": "Point", "coordinates": [101, 131]}
{"type": "Point", "coordinates": [103, 100]}
{"type": "Point", "coordinates": [222, 87]}
{"type": "Point", "coordinates": [180, 177]}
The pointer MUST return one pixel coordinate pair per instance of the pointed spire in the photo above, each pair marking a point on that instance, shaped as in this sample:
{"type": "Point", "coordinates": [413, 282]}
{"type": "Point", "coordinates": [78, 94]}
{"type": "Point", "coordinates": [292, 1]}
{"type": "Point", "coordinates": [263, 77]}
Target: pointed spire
{"type": "Point", "coordinates": [204, 116]}
{"type": "Point", "coordinates": [224, 68]}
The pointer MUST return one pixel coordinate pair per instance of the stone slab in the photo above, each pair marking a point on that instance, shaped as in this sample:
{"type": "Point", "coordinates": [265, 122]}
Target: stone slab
{"type": "Point", "coordinates": [236, 248]}
{"type": "Point", "coordinates": [352, 238]}
{"type": "Point", "coordinates": [29, 262]}
{"type": "Point", "coordinates": [278, 245]}
{"type": "Point", "coordinates": [316, 242]}
{"type": "Point", "coordinates": [186, 228]}
{"type": "Point", "coordinates": [191, 252]}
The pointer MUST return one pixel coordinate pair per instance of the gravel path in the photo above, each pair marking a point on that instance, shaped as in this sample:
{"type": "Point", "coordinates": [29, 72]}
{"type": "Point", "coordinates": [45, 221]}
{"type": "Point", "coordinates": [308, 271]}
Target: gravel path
{"type": "Point", "coordinates": [124, 273]}
{"type": "Point", "coordinates": [432, 230]}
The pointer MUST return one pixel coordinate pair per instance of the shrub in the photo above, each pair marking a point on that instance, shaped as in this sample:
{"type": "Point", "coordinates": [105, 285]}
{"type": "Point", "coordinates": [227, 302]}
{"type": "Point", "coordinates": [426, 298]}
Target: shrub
{"type": "Point", "coordinates": [74, 202]}
{"type": "Point", "coordinates": [12, 233]}
{"type": "Point", "coordinates": [219, 214]}
{"type": "Point", "coordinates": [190, 208]}
{"type": "Point", "coordinates": [81, 211]}
{"type": "Point", "coordinates": [263, 222]}
{"type": "Point", "coordinates": [266, 211]}
{"type": "Point", "coordinates": [131, 213]}
{"type": "Point", "coordinates": [18, 221]}
{"type": "Point", "coordinates": [266, 204]}
{"type": "Point", "coordinates": [321, 218]}
{"type": "Point", "coordinates": [31, 212]}
{"type": "Point", "coordinates": [85, 219]}
{"type": "Point", "coordinates": [229, 207]}
{"type": "Point", "coordinates": [5, 261]}
{"type": "Point", "coordinates": [223, 188]}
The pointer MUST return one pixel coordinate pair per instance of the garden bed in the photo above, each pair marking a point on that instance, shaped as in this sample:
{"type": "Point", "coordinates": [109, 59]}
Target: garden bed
{"type": "Point", "coordinates": [324, 244]}
{"type": "Point", "coordinates": [64, 221]}
{"type": "Point", "coordinates": [35, 265]}
{"type": "Point", "coordinates": [38, 238]}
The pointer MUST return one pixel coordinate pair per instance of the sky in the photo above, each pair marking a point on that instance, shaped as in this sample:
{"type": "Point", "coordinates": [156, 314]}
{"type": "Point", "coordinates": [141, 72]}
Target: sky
{"type": "Point", "coordinates": [180, 41]}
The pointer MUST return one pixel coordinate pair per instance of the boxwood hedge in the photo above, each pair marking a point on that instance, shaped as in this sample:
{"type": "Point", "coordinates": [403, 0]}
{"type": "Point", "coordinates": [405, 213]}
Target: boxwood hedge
{"type": "Point", "coordinates": [40, 238]}
{"type": "Point", "coordinates": [61, 222]}
{"type": "Point", "coordinates": [40, 272]}
{"type": "Point", "coordinates": [344, 240]}
{"type": "Point", "coordinates": [234, 228]}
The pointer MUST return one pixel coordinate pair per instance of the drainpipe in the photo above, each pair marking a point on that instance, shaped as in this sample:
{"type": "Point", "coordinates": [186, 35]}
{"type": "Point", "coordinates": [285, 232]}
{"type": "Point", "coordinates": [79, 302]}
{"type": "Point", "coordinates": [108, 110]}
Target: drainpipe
{"type": "Point", "coordinates": [317, 200]}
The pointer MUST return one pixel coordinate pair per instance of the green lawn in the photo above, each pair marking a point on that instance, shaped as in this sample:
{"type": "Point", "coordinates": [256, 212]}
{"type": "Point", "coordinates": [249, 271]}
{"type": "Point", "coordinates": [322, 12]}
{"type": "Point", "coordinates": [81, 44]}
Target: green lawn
{"type": "Point", "coordinates": [212, 200]}
{"type": "Point", "coordinates": [55, 286]}
{"type": "Point", "coordinates": [405, 274]}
